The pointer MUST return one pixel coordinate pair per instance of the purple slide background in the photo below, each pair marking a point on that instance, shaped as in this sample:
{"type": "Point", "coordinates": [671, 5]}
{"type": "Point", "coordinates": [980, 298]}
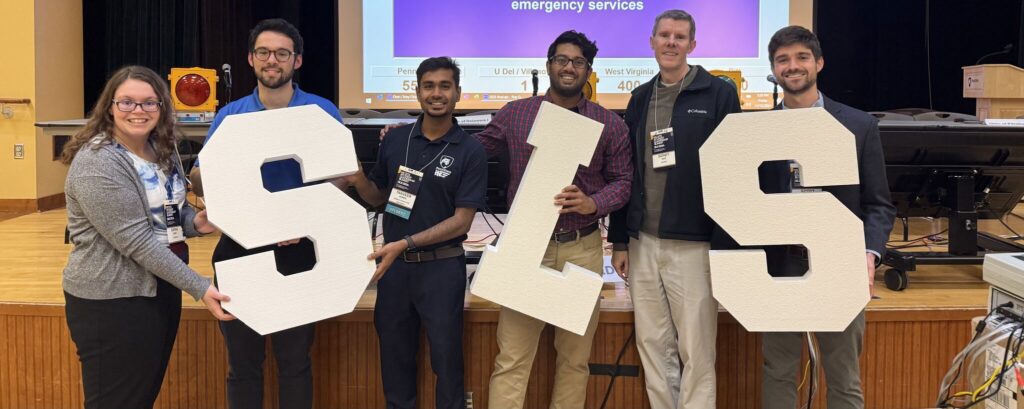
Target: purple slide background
{"type": "Point", "coordinates": [491, 29]}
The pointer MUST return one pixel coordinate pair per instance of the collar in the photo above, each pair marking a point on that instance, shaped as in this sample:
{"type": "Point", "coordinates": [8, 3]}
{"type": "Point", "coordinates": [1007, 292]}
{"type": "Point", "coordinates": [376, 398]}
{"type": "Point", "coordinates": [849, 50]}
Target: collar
{"type": "Point", "coordinates": [454, 135]}
{"type": "Point", "coordinates": [296, 92]}
{"type": "Point", "coordinates": [820, 103]}
{"type": "Point", "coordinates": [579, 105]}
{"type": "Point", "coordinates": [691, 74]}
{"type": "Point", "coordinates": [701, 80]}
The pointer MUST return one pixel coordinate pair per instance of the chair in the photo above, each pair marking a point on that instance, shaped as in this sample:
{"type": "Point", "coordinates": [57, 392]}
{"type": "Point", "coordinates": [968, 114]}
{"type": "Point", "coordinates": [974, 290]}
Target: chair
{"type": "Point", "coordinates": [360, 113]}
{"type": "Point", "coordinates": [944, 116]}
{"type": "Point", "coordinates": [189, 152]}
{"type": "Point", "coordinates": [402, 113]}
{"type": "Point", "coordinates": [909, 111]}
{"type": "Point", "coordinates": [891, 116]}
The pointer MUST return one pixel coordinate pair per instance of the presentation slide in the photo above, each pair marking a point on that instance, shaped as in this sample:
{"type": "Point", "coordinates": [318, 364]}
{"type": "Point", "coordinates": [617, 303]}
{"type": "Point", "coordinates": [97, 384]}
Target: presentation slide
{"type": "Point", "coordinates": [498, 43]}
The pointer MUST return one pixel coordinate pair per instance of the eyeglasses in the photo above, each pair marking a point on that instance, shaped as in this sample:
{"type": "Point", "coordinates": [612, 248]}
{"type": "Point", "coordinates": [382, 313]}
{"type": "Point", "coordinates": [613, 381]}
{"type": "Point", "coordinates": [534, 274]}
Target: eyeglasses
{"type": "Point", "coordinates": [127, 105]}
{"type": "Point", "coordinates": [280, 54]}
{"type": "Point", "coordinates": [561, 61]}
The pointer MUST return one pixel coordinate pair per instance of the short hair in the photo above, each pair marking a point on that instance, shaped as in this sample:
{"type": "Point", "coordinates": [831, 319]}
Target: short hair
{"type": "Point", "coordinates": [793, 35]}
{"type": "Point", "coordinates": [438, 63]}
{"type": "Point", "coordinates": [277, 25]}
{"type": "Point", "coordinates": [675, 14]}
{"type": "Point", "coordinates": [589, 48]}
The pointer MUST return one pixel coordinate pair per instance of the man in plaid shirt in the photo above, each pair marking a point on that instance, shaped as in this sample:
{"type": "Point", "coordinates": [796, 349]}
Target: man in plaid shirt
{"type": "Point", "coordinates": [597, 190]}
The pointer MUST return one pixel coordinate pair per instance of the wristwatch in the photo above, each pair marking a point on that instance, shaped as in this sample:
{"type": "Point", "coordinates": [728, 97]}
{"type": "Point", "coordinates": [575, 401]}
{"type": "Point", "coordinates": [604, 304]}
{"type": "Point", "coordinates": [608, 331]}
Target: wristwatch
{"type": "Point", "coordinates": [411, 244]}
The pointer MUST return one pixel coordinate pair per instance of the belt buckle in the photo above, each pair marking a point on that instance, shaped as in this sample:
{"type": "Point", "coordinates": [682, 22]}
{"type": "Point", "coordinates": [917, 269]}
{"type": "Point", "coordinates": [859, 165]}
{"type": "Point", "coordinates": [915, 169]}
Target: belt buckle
{"type": "Point", "coordinates": [566, 237]}
{"type": "Point", "coordinates": [418, 257]}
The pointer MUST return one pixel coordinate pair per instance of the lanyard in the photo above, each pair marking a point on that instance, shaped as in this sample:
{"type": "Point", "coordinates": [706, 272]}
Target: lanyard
{"type": "Point", "coordinates": [409, 140]}
{"type": "Point", "coordinates": [656, 127]}
{"type": "Point", "coordinates": [169, 184]}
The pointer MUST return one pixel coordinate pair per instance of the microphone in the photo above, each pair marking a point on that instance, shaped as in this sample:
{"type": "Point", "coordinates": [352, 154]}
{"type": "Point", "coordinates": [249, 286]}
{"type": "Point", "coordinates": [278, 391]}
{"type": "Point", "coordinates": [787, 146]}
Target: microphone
{"type": "Point", "coordinates": [775, 89]}
{"type": "Point", "coordinates": [227, 80]}
{"type": "Point", "coordinates": [227, 74]}
{"type": "Point", "coordinates": [1006, 50]}
{"type": "Point", "coordinates": [771, 79]}
{"type": "Point", "coordinates": [535, 81]}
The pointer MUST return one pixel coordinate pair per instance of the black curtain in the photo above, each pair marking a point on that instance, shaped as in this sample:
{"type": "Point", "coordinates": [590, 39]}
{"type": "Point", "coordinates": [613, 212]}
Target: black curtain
{"type": "Point", "coordinates": [876, 56]}
{"type": "Point", "coordinates": [162, 34]}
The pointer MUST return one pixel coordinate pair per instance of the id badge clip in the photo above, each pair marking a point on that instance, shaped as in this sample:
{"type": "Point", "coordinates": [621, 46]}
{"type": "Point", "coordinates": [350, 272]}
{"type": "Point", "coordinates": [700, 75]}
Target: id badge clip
{"type": "Point", "coordinates": [403, 195]}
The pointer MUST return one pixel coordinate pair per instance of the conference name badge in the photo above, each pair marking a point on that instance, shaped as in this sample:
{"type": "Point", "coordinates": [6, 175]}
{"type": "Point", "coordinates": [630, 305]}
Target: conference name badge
{"type": "Point", "coordinates": [403, 195]}
{"type": "Point", "coordinates": [172, 216]}
{"type": "Point", "coordinates": [663, 148]}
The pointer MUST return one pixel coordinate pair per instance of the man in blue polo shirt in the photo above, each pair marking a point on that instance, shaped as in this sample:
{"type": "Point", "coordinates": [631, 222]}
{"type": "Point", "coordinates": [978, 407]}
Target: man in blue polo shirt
{"type": "Point", "coordinates": [431, 177]}
{"type": "Point", "coordinates": [275, 52]}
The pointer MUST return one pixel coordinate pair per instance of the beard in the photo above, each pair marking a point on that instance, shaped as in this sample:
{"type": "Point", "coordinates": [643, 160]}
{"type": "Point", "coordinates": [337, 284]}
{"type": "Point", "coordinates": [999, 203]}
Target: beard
{"type": "Point", "coordinates": [283, 79]}
{"type": "Point", "coordinates": [567, 91]}
{"type": "Point", "coordinates": [799, 90]}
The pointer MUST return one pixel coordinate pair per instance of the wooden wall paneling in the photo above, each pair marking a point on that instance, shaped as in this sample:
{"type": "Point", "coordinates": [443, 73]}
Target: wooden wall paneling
{"type": "Point", "coordinates": [905, 356]}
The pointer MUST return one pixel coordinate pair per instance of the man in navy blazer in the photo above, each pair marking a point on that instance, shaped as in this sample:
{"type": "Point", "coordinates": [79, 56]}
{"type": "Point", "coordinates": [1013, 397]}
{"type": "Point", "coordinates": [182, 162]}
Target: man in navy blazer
{"type": "Point", "coordinates": [796, 59]}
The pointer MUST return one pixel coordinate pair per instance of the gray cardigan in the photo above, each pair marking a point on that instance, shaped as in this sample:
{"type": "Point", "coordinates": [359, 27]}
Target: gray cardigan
{"type": "Point", "coordinates": [116, 252]}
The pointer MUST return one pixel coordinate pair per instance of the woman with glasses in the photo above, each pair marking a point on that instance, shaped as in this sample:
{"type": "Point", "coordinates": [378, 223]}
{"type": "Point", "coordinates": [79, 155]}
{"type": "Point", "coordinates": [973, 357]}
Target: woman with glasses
{"type": "Point", "coordinates": [128, 218]}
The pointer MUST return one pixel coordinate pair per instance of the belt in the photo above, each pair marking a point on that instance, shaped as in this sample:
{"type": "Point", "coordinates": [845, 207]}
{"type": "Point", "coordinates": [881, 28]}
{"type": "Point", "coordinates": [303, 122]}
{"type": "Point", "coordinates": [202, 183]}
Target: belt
{"type": "Point", "coordinates": [435, 254]}
{"type": "Point", "coordinates": [573, 235]}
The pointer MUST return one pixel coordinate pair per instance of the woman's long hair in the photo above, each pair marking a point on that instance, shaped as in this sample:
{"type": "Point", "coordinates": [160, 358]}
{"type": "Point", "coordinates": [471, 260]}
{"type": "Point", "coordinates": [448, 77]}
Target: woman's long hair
{"type": "Point", "coordinates": [101, 121]}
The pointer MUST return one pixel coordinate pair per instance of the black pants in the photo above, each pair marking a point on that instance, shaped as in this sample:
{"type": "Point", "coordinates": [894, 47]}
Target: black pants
{"type": "Point", "coordinates": [124, 345]}
{"type": "Point", "coordinates": [247, 348]}
{"type": "Point", "coordinates": [432, 294]}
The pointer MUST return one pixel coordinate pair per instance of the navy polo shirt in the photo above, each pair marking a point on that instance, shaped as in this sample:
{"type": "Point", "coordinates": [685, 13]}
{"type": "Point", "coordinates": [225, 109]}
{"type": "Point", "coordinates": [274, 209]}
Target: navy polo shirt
{"type": "Point", "coordinates": [456, 177]}
{"type": "Point", "coordinates": [278, 175]}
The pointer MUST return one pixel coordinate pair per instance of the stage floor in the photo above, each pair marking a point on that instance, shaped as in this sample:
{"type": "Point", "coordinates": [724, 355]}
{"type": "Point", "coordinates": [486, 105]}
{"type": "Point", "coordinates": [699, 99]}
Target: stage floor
{"type": "Point", "coordinates": [34, 254]}
{"type": "Point", "coordinates": [912, 335]}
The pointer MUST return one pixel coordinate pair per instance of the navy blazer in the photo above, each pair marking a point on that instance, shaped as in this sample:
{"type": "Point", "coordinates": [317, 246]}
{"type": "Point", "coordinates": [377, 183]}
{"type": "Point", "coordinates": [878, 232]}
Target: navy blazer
{"type": "Point", "coordinates": [869, 200]}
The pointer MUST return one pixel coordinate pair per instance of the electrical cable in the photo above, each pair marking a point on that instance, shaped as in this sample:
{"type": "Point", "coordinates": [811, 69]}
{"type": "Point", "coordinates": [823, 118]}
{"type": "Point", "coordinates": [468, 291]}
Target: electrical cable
{"type": "Point", "coordinates": [812, 360]}
{"type": "Point", "coordinates": [1016, 236]}
{"type": "Point", "coordinates": [484, 216]}
{"type": "Point", "coordinates": [978, 346]}
{"type": "Point", "coordinates": [956, 367]}
{"type": "Point", "coordinates": [928, 48]}
{"type": "Point", "coordinates": [803, 378]}
{"type": "Point", "coordinates": [616, 368]}
{"type": "Point", "coordinates": [996, 375]}
{"type": "Point", "coordinates": [491, 212]}
{"type": "Point", "coordinates": [919, 238]}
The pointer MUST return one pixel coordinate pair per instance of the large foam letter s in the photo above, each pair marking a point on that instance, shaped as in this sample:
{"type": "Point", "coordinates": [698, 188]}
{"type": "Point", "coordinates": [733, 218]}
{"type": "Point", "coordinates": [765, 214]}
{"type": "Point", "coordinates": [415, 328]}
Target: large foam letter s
{"type": "Point", "coordinates": [244, 210]}
{"type": "Point", "coordinates": [835, 288]}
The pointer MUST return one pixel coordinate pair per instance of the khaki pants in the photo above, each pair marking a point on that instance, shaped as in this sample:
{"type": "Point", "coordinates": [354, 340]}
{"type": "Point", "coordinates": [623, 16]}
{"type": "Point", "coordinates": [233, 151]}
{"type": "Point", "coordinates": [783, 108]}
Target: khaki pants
{"type": "Point", "coordinates": [840, 356]}
{"type": "Point", "coordinates": [676, 320]}
{"type": "Point", "coordinates": [518, 335]}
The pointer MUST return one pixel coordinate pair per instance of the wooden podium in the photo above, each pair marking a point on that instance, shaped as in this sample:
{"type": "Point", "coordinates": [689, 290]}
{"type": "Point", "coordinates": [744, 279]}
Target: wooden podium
{"type": "Point", "coordinates": [999, 89]}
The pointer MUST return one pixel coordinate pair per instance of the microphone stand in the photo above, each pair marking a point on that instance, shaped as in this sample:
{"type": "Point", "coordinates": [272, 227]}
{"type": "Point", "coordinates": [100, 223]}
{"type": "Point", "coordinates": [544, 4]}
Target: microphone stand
{"type": "Point", "coordinates": [1006, 50]}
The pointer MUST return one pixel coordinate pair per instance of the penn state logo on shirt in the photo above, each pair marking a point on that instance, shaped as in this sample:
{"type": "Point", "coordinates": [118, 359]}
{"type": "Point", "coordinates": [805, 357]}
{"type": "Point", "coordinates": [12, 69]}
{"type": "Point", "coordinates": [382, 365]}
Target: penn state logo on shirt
{"type": "Point", "coordinates": [443, 164]}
